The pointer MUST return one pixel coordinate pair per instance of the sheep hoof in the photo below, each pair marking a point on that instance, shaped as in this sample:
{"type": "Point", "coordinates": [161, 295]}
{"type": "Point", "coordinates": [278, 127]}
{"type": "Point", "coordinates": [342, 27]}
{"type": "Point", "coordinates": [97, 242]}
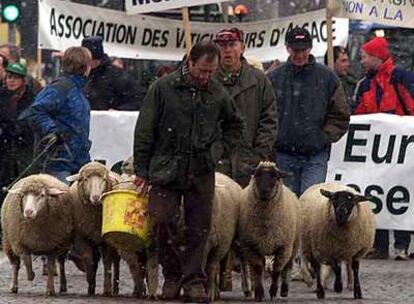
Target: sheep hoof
{"type": "Point", "coordinates": [152, 297]}
{"type": "Point", "coordinates": [259, 293]}
{"type": "Point", "coordinates": [50, 293]}
{"type": "Point", "coordinates": [284, 290]}
{"type": "Point", "coordinates": [115, 290]}
{"type": "Point", "coordinates": [91, 291]}
{"type": "Point", "coordinates": [273, 291]}
{"type": "Point", "coordinates": [63, 289]}
{"type": "Point", "coordinates": [357, 294]}
{"type": "Point", "coordinates": [107, 293]}
{"type": "Point", "coordinates": [320, 293]}
{"type": "Point", "coordinates": [14, 289]}
{"type": "Point", "coordinates": [248, 294]}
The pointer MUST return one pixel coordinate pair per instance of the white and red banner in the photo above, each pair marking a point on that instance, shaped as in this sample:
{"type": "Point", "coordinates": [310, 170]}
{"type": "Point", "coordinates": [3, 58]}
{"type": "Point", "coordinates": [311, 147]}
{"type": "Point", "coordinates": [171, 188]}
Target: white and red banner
{"type": "Point", "coordinates": [63, 24]}
{"type": "Point", "coordinates": [397, 13]}
{"type": "Point", "coordinates": [146, 6]}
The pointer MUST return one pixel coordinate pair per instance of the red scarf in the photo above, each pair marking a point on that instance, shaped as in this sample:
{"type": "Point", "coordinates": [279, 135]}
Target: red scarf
{"type": "Point", "coordinates": [389, 102]}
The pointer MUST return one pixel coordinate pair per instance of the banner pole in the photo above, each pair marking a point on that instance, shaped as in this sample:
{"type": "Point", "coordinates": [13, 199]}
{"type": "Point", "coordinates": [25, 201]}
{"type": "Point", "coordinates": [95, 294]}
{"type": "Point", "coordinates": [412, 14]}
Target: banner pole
{"type": "Point", "coordinates": [187, 28]}
{"type": "Point", "coordinates": [330, 36]}
{"type": "Point", "coordinates": [39, 63]}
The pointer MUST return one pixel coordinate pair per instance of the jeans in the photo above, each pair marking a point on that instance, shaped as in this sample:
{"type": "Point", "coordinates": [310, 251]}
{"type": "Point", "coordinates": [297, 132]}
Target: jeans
{"type": "Point", "coordinates": [306, 170]}
{"type": "Point", "coordinates": [382, 240]}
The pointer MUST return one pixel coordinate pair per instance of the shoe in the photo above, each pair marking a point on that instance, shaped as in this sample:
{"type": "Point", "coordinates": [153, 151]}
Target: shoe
{"type": "Point", "coordinates": [401, 255]}
{"type": "Point", "coordinates": [171, 290]}
{"type": "Point", "coordinates": [196, 293]}
{"type": "Point", "coordinates": [375, 254]}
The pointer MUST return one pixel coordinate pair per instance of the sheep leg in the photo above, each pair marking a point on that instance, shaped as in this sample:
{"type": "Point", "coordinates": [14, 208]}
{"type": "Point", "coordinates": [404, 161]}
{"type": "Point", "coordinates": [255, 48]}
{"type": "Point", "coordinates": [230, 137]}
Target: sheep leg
{"type": "Point", "coordinates": [212, 269]}
{"type": "Point", "coordinates": [284, 289]}
{"type": "Point", "coordinates": [338, 277]}
{"type": "Point", "coordinates": [132, 259]}
{"type": "Point", "coordinates": [51, 264]}
{"type": "Point", "coordinates": [27, 259]}
{"type": "Point", "coordinates": [15, 262]}
{"type": "Point", "coordinates": [320, 292]}
{"type": "Point", "coordinates": [350, 281]}
{"type": "Point", "coordinates": [107, 263]}
{"type": "Point", "coordinates": [245, 276]}
{"type": "Point", "coordinates": [258, 277]}
{"type": "Point", "coordinates": [152, 274]}
{"type": "Point", "coordinates": [62, 273]}
{"type": "Point", "coordinates": [91, 264]}
{"type": "Point", "coordinates": [357, 286]}
{"type": "Point", "coordinates": [115, 277]}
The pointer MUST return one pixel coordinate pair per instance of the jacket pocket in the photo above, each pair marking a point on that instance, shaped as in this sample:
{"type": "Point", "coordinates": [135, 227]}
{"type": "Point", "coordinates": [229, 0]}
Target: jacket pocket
{"type": "Point", "coordinates": [163, 169]}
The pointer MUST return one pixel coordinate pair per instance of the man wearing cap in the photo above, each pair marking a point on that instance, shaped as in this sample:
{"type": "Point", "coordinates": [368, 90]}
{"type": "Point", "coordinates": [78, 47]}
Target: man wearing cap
{"type": "Point", "coordinates": [16, 136]}
{"type": "Point", "coordinates": [108, 86]}
{"type": "Point", "coordinates": [385, 89]}
{"type": "Point", "coordinates": [255, 101]}
{"type": "Point", "coordinates": [312, 113]}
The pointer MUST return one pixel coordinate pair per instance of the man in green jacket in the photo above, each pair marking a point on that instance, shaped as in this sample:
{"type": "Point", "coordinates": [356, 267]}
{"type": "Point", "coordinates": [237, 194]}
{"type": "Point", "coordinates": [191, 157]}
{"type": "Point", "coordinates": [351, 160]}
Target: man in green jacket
{"type": "Point", "coordinates": [255, 100]}
{"type": "Point", "coordinates": [256, 103]}
{"type": "Point", "coordinates": [175, 130]}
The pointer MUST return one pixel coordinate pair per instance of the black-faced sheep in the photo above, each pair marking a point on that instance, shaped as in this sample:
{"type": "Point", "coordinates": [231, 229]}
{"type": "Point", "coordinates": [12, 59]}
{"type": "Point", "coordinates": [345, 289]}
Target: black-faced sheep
{"type": "Point", "coordinates": [339, 226]}
{"type": "Point", "coordinates": [270, 224]}
{"type": "Point", "coordinates": [36, 218]}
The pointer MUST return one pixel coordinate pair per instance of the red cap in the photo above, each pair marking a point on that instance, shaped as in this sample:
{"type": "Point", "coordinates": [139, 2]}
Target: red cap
{"type": "Point", "coordinates": [377, 47]}
{"type": "Point", "coordinates": [232, 34]}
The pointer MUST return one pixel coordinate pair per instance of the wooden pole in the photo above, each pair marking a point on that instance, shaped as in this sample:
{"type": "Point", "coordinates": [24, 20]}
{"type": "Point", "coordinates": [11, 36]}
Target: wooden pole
{"type": "Point", "coordinates": [330, 37]}
{"type": "Point", "coordinates": [187, 29]}
{"type": "Point", "coordinates": [39, 63]}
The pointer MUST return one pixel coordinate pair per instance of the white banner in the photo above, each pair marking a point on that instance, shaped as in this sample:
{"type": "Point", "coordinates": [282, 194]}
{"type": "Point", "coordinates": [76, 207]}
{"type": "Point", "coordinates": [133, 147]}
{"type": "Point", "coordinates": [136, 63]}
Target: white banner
{"type": "Point", "coordinates": [64, 24]}
{"type": "Point", "coordinates": [398, 13]}
{"type": "Point", "coordinates": [146, 6]}
{"type": "Point", "coordinates": [377, 157]}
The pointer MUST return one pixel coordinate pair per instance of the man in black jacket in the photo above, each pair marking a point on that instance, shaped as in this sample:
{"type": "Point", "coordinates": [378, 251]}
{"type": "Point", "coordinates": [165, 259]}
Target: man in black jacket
{"type": "Point", "coordinates": [109, 87]}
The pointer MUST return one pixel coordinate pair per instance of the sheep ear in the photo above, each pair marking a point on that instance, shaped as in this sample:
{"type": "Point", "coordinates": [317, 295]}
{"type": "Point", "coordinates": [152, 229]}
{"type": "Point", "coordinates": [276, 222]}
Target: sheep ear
{"type": "Point", "coordinates": [361, 198]}
{"type": "Point", "coordinates": [73, 178]}
{"type": "Point", "coordinates": [327, 193]}
{"type": "Point", "coordinates": [55, 191]}
{"type": "Point", "coordinates": [15, 191]}
{"type": "Point", "coordinates": [283, 174]}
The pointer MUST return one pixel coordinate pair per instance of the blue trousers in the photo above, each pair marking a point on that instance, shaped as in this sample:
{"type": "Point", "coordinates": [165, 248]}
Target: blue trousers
{"type": "Point", "coordinates": [382, 240]}
{"type": "Point", "coordinates": [306, 170]}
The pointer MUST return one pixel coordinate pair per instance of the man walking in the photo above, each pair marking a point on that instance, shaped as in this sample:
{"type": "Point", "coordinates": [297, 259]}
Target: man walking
{"type": "Point", "coordinates": [312, 113]}
{"type": "Point", "coordinates": [175, 130]}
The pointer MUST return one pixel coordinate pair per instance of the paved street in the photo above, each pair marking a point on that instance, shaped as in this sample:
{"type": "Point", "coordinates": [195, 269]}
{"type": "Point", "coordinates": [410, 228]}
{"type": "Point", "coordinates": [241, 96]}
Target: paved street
{"type": "Point", "coordinates": [382, 282]}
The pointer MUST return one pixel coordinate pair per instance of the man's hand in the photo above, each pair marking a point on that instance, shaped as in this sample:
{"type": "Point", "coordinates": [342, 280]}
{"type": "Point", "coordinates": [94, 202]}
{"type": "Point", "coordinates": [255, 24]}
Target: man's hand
{"type": "Point", "coordinates": [142, 185]}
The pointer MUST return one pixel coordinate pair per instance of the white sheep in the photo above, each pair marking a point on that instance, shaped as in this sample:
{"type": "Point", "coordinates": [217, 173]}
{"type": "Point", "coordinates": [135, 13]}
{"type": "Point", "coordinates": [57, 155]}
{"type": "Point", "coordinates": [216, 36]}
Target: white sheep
{"type": "Point", "coordinates": [36, 218]}
{"type": "Point", "coordinates": [90, 183]}
{"type": "Point", "coordinates": [224, 222]}
{"type": "Point", "coordinates": [270, 224]}
{"type": "Point", "coordinates": [339, 226]}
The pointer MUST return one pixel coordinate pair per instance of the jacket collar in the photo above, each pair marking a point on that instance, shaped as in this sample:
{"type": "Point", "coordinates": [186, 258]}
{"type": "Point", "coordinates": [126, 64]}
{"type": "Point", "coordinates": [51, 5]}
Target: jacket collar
{"type": "Point", "coordinates": [307, 66]}
{"type": "Point", "coordinates": [238, 81]}
{"type": "Point", "coordinates": [79, 80]}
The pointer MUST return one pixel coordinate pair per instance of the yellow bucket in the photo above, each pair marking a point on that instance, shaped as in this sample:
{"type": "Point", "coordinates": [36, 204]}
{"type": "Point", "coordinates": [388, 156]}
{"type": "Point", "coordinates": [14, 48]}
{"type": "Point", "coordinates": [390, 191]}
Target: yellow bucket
{"type": "Point", "coordinates": [124, 219]}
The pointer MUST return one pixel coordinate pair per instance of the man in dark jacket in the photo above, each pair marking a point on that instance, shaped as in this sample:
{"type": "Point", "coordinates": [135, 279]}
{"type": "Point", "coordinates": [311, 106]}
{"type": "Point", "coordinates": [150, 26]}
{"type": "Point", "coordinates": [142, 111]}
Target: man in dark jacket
{"type": "Point", "coordinates": [175, 130]}
{"type": "Point", "coordinates": [313, 113]}
{"type": "Point", "coordinates": [255, 100]}
{"type": "Point", "coordinates": [110, 87]}
{"type": "Point", "coordinates": [342, 68]}
{"type": "Point", "coordinates": [62, 112]}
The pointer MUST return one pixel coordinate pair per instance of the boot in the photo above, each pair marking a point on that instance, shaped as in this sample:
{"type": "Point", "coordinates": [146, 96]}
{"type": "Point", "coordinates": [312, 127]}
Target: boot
{"type": "Point", "coordinates": [196, 293]}
{"type": "Point", "coordinates": [171, 289]}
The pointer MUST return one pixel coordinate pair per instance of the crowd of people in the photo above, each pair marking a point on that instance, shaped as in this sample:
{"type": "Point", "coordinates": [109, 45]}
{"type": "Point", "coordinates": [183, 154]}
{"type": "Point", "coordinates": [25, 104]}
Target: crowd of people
{"type": "Point", "coordinates": [215, 112]}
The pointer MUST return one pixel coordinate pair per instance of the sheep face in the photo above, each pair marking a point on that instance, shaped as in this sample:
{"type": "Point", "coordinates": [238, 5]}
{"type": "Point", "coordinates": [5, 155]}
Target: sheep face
{"type": "Point", "coordinates": [267, 181]}
{"type": "Point", "coordinates": [344, 204]}
{"type": "Point", "coordinates": [93, 184]}
{"type": "Point", "coordinates": [34, 199]}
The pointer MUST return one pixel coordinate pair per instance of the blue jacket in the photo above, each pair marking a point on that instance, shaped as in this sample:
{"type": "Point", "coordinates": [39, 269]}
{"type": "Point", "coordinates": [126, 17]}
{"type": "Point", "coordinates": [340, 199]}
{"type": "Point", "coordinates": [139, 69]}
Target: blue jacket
{"type": "Point", "coordinates": [62, 108]}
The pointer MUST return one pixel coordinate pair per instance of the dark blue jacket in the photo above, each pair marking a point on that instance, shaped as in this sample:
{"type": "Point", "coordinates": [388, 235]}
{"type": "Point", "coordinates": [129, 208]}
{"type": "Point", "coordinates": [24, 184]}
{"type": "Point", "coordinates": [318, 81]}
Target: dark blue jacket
{"type": "Point", "coordinates": [62, 108]}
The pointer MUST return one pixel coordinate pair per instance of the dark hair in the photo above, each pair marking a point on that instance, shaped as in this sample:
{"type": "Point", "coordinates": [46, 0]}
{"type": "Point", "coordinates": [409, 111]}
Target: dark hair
{"type": "Point", "coordinates": [336, 50]}
{"type": "Point", "coordinates": [204, 47]}
{"type": "Point", "coordinates": [5, 61]}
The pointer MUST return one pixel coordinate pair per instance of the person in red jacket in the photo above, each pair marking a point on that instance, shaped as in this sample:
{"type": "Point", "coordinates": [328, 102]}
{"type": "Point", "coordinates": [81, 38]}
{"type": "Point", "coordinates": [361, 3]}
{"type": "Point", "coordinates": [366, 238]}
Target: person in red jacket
{"type": "Point", "coordinates": [385, 89]}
